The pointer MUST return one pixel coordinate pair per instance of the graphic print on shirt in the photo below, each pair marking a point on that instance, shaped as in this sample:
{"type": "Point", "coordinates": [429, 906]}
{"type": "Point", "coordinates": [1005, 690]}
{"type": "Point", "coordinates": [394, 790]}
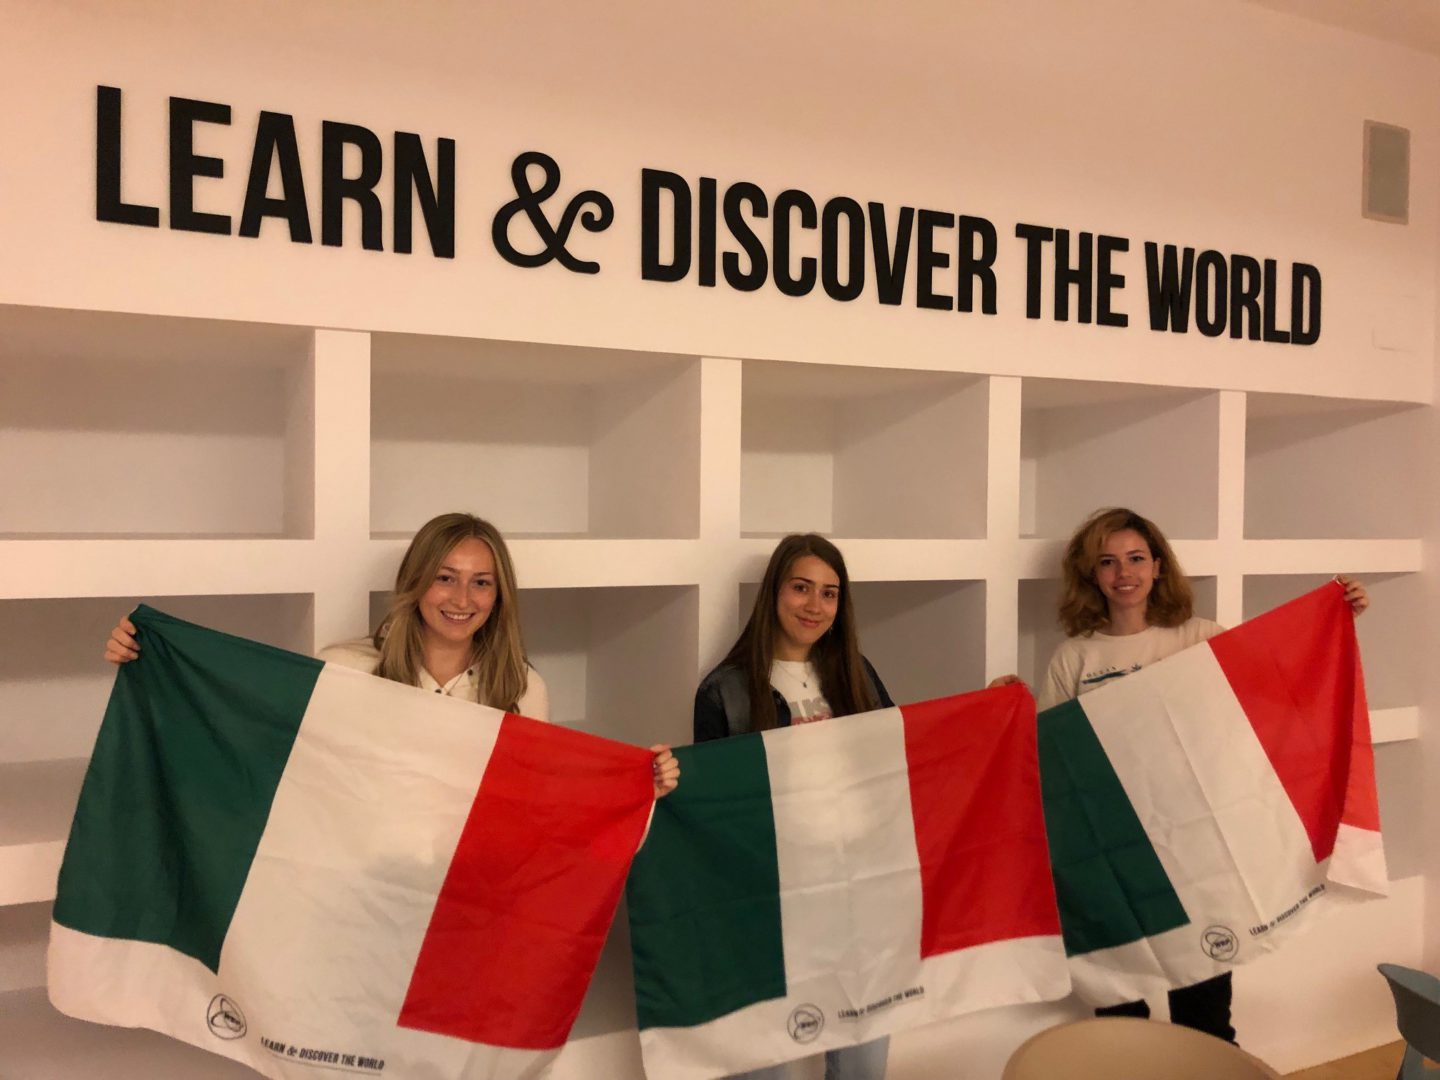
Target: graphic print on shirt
{"type": "Point", "coordinates": [1105, 674]}
{"type": "Point", "coordinates": [799, 684]}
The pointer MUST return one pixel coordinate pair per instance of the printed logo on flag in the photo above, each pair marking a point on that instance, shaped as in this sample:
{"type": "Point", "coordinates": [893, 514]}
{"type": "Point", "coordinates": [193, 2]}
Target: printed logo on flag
{"type": "Point", "coordinates": [806, 1023]}
{"type": "Point", "coordinates": [225, 1018]}
{"type": "Point", "coordinates": [1220, 943]}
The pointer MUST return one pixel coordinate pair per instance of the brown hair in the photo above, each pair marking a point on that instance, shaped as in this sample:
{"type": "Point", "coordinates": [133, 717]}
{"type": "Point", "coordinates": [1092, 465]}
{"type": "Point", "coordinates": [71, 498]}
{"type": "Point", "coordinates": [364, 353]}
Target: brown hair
{"type": "Point", "coordinates": [1082, 605]}
{"type": "Point", "coordinates": [836, 655]}
{"type": "Point", "coordinates": [498, 651]}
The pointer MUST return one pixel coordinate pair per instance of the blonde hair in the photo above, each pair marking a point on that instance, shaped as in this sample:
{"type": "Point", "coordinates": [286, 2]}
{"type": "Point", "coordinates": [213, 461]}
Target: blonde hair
{"type": "Point", "coordinates": [498, 650]}
{"type": "Point", "coordinates": [1083, 609]}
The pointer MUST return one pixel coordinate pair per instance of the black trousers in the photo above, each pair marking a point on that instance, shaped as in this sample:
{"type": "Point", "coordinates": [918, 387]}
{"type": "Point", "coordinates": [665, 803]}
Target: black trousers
{"type": "Point", "coordinates": [1204, 1007]}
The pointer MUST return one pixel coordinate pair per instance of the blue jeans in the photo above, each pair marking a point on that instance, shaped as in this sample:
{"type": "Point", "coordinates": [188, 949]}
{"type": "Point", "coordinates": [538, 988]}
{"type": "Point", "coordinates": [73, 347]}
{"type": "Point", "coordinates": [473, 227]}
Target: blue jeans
{"type": "Point", "coordinates": [863, 1062]}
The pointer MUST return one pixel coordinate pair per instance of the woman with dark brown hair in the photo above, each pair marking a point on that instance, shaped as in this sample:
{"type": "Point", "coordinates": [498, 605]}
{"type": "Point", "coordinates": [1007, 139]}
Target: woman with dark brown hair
{"type": "Point", "coordinates": [798, 661]}
{"type": "Point", "coordinates": [1125, 603]}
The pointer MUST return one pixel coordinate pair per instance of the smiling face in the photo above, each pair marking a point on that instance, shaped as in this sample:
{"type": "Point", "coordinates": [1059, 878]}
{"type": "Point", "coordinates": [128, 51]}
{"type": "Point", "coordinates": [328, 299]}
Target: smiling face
{"type": "Point", "coordinates": [1125, 572]}
{"type": "Point", "coordinates": [805, 607]}
{"type": "Point", "coordinates": [463, 594]}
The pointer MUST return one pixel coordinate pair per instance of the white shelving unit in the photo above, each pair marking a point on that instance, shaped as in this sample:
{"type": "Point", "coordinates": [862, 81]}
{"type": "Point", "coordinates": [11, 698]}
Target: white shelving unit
{"type": "Point", "coordinates": [281, 472]}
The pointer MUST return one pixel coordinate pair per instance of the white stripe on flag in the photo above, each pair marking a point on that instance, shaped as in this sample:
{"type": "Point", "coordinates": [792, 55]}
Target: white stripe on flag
{"type": "Point", "coordinates": [373, 799]}
{"type": "Point", "coordinates": [1215, 812]}
{"type": "Point", "coordinates": [851, 903]}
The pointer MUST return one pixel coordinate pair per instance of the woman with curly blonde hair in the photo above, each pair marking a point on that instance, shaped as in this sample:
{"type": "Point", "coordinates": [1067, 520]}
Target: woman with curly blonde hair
{"type": "Point", "coordinates": [1126, 603]}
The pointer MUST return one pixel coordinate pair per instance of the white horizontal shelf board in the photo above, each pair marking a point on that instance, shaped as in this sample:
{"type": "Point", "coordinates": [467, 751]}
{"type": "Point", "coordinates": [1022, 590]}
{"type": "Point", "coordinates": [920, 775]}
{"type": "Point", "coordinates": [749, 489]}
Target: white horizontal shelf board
{"type": "Point", "coordinates": [892, 560]}
{"type": "Point", "coordinates": [37, 799]}
{"type": "Point", "coordinates": [33, 334]}
{"type": "Point", "coordinates": [577, 563]}
{"type": "Point", "coordinates": [31, 569]}
{"type": "Point", "coordinates": [28, 871]}
{"type": "Point", "coordinates": [37, 803]}
{"type": "Point", "coordinates": [24, 933]}
{"type": "Point", "coordinates": [1395, 725]}
{"type": "Point", "coordinates": [1329, 556]}
{"type": "Point", "coordinates": [1039, 557]}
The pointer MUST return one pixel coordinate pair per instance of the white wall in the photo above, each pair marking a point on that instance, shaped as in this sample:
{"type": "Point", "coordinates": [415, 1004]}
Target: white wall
{"type": "Point", "coordinates": [244, 427]}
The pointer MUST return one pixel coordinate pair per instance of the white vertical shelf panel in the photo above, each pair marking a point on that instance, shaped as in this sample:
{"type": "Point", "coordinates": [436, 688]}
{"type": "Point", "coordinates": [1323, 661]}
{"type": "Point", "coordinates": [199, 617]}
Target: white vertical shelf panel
{"type": "Point", "coordinates": [721, 394]}
{"type": "Point", "coordinates": [339, 388]}
{"type": "Point", "coordinates": [1002, 524]}
{"type": "Point", "coordinates": [1230, 522]}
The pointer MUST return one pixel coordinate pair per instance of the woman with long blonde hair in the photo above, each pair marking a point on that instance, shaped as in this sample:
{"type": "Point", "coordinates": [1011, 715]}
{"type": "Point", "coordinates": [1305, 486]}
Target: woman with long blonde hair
{"type": "Point", "coordinates": [453, 627]}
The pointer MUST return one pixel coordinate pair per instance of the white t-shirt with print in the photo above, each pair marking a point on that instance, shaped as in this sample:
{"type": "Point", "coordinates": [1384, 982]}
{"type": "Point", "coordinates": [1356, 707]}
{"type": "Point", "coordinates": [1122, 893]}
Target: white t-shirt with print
{"type": "Point", "coordinates": [799, 684]}
{"type": "Point", "coordinates": [1087, 662]}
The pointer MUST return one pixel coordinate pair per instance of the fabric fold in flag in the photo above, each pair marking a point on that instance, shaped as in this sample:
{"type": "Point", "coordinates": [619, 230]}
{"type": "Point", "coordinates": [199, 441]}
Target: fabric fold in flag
{"type": "Point", "coordinates": [297, 865]}
{"type": "Point", "coordinates": [1202, 809]}
{"type": "Point", "coordinates": [822, 885]}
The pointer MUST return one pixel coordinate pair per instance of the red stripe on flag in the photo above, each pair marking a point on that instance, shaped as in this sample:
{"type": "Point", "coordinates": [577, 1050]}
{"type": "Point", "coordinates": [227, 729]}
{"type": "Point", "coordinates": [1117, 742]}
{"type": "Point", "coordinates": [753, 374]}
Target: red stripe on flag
{"type": "Point", "coordinates": [1296, 672]}
{"type": "Point", "coordinates": [532, 888]}
{"type": "Point", "coordinates": [979, 824]}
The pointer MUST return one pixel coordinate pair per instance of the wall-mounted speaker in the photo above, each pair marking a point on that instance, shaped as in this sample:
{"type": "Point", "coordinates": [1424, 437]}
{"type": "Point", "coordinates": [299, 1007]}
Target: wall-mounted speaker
{"type": "Point", "coordinates": [1385, 191]}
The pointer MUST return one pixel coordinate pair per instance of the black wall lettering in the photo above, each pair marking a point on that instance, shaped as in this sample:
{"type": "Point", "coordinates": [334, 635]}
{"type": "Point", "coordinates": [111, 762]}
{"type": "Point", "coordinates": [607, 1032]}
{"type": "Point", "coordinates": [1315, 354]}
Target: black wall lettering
{"type": "Point", "coordinates": [1271, 299]}
{"type": "Point", "coordinates": [928, 260]}
{"type": "Point", "coordinates": [973, 264]}
{"type": "Point", "coordinates": [736, 196]}
{"type": "Point", "coordinates": [1107, 280]}
{"type": "Point", "coordinates": [436, 194]}
{"type": "Point", "coordinates": [1168, 279]}
{"type": "Point", "coordinates": [336, 187]}
{"type": "Point", "coordinates": [854, 283]}
{"type": "Point", "coordinates": [275, 143]}
{"type": "Point", "coordinates": [890, 263]}
{"type": "Point", "coordinates": [186, 165]}
{"type": "Point", "coordinates": [1035, 237]}
{"type": "Point", "coordinates": [652, 183]}
{"type": "Point", "coordinates": [1304, 286]}
{"type": "Point", "coordinates": [706, 257]}
{"type": "Point", "coordinates": [786, 203]}
{"type": "Point", "coordinates": [109, 204]}
{"type": "Point", "coordinates": [1244, 297]}
{"type": "Point", "coordinates": [1081, 275]}
{"type": "Point", "coordinates": [1212, 280]}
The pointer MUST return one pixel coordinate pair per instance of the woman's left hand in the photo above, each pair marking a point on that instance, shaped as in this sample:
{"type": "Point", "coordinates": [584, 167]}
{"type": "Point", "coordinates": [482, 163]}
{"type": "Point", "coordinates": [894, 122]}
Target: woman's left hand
{"type": "Point", "coordinates": [665, 769]}
{"type": "Point", "coordinates": [1355, 594]}
{"type": "Point", "coordinates": [1004, 680]}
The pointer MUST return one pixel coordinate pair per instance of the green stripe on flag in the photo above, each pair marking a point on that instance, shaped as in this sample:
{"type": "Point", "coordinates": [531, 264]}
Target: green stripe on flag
{"type": "Point", "coordinates": [1109, 883]}
{"type": "Point", "coordinates": [704, 892]}
{"type": "Point", "coordinates": [195, 737]}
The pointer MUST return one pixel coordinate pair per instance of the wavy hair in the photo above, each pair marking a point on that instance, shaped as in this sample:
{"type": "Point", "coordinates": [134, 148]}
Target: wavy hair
{"type": "Point", "coordinates": [498, 650]}
{"type": "Point", "coordinates": [1083, 609]}
{"type": "Point", "coordinates": [836, 655]}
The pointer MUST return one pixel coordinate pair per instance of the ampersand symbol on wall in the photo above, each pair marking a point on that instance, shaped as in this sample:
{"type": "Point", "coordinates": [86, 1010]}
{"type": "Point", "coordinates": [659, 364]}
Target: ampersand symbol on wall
{"type": "Point", "coordinates": [594, 210]}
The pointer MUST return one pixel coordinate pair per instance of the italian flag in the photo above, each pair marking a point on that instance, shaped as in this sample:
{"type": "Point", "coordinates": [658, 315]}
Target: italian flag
{"type": "Point", "coordinates": [1202, 809]}
{"type": "Point", "coordinates": [318, 872]}
{"type": "Point", "coordinates": [822, 885]}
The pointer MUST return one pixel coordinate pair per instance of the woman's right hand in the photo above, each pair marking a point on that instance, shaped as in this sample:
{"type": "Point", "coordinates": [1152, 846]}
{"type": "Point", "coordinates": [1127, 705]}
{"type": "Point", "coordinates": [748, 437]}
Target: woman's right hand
{"type": "Point", "coordinates": [122, 646]}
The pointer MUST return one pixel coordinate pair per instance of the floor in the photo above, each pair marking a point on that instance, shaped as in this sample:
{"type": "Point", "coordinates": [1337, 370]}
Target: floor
{"type": "Point", "coordinates": [1381, 1063]}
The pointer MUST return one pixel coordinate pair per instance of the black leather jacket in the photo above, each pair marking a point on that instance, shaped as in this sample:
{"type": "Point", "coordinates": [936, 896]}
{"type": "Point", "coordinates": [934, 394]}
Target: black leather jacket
{"type": "Point", "coordinates": [722, 702]}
